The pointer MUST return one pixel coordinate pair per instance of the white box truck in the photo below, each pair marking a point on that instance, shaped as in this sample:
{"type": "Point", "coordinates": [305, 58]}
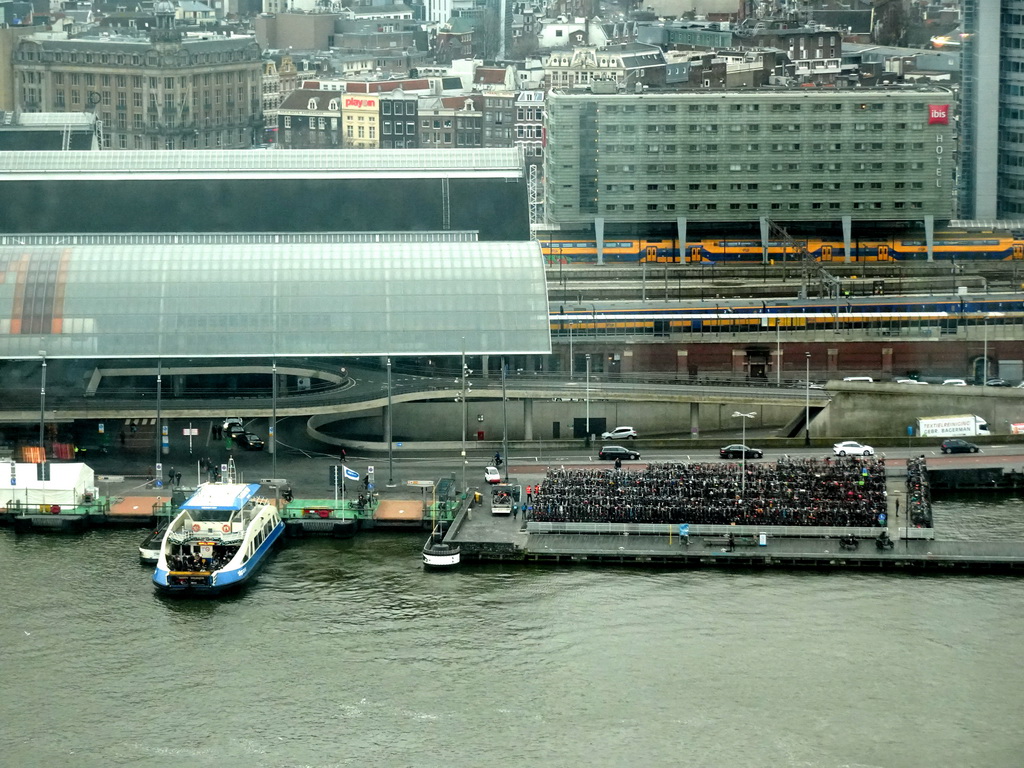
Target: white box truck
{"type": "Point", "coordinates": [952, 426]}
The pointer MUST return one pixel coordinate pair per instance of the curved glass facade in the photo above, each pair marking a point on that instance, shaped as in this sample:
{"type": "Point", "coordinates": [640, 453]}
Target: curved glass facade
{"type": "Point", "coordinates": [232, 297]}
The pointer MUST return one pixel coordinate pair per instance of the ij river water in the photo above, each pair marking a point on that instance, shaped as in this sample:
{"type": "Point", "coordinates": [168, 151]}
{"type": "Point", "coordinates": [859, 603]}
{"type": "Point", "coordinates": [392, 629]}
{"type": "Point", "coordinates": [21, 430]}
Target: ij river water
{"type": "Point", "coordinates": [349, 654]}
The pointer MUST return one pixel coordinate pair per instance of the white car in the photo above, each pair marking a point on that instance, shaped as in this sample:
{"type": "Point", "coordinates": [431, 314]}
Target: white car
{"type": "Point", "coordinates": [492, 475]}
{"type": "Point", "coordinates": [852, 448]}
{"type": "Point", "coordinates": [954, 383]}
{"type": "Point", "coordinates": [619, 433]}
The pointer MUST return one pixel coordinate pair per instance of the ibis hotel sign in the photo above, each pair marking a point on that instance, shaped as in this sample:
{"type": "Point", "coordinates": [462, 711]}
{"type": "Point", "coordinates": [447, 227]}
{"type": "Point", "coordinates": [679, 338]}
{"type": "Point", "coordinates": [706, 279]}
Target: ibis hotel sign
{"type": "Point", "coordinates": [938, 114]}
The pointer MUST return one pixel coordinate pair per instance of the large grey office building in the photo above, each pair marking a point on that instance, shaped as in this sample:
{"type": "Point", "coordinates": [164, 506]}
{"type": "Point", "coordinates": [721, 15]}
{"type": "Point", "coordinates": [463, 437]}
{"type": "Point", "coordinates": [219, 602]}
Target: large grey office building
{"type": "Point", "coordinates": [874, 155]}
{"type": "Point", "coordinates": [992, 118]}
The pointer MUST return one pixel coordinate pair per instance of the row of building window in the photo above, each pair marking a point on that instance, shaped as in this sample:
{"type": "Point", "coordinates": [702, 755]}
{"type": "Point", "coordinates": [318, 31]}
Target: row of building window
{"type": "Point", "coordinates": [834, 206]}
{"type": "Point", "coordinates": [170, 101]}
{"type": "Point", "coordinates": [389, 107]}
{"type": "Point", "coordinates": [133, 60]}
{"type": "Point", "coordinates": [899, 106]}
{"type": "Point", "coordinates": [138, 82]}
{"type": "Point", "coordinates": [205, 140]}
{"type": "Point", "coordinates": [858, 146]}
{"type": "Point", "coordinates": [756, 167]}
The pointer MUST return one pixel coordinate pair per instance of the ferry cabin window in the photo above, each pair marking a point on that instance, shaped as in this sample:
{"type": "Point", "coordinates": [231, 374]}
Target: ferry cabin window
{"type": "Point", "coordinates": [207, 515]}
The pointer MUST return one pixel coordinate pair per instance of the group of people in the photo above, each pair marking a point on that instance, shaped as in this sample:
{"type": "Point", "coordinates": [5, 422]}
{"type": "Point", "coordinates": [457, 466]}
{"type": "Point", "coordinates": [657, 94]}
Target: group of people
{"type": "Point", "coordinates": [211, 469]}
{"type": "Point", "coordinates": [187, 561]}
{"type": "Point", "coordinates": [794, 491]}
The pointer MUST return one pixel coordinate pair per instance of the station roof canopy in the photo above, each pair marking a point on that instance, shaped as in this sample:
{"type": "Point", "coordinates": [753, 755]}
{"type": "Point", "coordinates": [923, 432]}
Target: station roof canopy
{"type": "Point", "coordinates": [276, 164]}
{"type": "Point", "coordinates": [270, 295]}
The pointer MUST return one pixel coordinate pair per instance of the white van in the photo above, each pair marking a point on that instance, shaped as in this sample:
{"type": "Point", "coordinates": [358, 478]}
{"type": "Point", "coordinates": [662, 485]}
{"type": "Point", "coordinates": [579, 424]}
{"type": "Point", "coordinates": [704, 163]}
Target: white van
{"type": "Point", "coordinates": [865, 379]}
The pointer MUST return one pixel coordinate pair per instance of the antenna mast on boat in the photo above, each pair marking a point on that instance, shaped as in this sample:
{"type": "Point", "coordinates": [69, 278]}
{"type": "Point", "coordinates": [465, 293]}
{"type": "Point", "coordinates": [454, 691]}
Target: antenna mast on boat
{"type": "Point", "coordinates": [231, 470]}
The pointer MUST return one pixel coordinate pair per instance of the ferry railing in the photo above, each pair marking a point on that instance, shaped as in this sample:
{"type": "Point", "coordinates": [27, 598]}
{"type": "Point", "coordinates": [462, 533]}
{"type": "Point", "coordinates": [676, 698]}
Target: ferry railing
{"type": "Point", "coordinates": [672, 529]}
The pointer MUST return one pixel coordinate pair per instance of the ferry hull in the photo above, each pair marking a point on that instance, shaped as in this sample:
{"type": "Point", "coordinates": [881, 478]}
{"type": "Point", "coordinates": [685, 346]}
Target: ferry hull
{"type": "Point", "coordinates": [225, 581]}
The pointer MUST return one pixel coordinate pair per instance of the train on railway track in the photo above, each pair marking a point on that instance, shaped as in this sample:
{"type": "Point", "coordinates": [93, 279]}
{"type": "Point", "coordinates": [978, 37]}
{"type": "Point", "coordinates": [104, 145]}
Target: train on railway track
{"type": "Point", "coordinates": [887, 316]}
{"type": "Point", "coordinates": [568, 248]}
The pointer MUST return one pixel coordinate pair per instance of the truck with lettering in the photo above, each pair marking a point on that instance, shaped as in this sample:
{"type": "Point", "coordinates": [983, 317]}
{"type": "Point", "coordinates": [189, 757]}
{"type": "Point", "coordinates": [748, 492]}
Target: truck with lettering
{"type": "Point", "coordinates": [505, 497]}
{"type": "Point", "coordinates": [965, 425]}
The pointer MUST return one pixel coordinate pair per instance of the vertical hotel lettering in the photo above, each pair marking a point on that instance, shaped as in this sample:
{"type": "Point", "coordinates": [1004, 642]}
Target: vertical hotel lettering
{"type": "Point", "coordinates": [938, 114]}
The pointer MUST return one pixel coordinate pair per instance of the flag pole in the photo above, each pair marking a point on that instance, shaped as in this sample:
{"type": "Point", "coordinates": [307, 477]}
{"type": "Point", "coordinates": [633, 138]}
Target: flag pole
{"type": "Point", "coordinates": [335, 486]}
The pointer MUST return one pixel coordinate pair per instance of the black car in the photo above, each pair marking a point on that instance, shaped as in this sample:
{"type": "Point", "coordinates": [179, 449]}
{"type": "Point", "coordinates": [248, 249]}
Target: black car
{"type": "Point", "coordinates": [958, 446]}
{"type": "Point", "coordinates": [738, 451]}
{"type": "Point", "coordinates": [613, 452]}
{"type": "Point", "coordinates": [249, 441]}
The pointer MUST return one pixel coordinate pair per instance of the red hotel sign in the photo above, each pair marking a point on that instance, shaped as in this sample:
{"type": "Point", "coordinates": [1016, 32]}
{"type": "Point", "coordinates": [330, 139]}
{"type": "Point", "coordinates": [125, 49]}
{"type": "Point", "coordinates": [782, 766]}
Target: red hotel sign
{"type": "Point", "coordinates": [938, 114]}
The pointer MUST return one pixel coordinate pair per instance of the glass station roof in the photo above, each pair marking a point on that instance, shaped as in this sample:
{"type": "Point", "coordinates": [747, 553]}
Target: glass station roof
{"type": "Point", "coordinates": [461, 163]}
{"type": "Point", "coordinates": [232, 297]}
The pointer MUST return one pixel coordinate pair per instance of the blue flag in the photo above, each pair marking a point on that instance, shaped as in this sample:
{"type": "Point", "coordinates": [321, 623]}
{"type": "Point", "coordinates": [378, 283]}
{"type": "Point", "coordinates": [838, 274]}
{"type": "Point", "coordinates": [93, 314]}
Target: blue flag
{"type": "Point", "coordinates": [350, 474]}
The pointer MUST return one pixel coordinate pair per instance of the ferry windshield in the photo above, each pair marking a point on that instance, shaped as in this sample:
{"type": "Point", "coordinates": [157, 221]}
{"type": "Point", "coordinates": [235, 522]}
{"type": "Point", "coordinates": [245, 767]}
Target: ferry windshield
{"type": "Point", "coordinates": [211, 515]}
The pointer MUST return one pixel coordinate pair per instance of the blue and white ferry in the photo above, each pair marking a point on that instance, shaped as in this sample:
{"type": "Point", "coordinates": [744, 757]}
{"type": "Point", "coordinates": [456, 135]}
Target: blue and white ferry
{"type": "Point", "coordinates": [218, 541]}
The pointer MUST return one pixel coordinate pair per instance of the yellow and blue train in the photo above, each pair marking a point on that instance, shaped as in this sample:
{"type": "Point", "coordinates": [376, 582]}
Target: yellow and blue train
{"type": "Point", "coordinates": [567, 249]}
{"type": "Point", "coordinates": [945, 313]}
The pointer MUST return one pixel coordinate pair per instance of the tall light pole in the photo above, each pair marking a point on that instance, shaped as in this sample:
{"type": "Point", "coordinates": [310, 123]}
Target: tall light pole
{"type": "Point", "coordinates": [984, 363]}
{"type": "Point", "coordinates": [572, 365]}
{"type": "Point", "coordinates": [778, 353]}
{"type": "Point", "coordinates": [807, 399]}
{"type": "Point", "coordinates": [387, 427]}
{"type": "Point", "coordinates": [465, 414]}
{"type": "Point", "coordinates": [588, 398]}
{"type": "Point", "coordinates": [42, 407]}
{"type": "Point", "coordinates": [984, 358]}
{"type": "Point", "coordinates": [273, 415]}
{"type": "Point", "coordinates": [743, 470]}
{"type": "Point", "coordinates": [504, 417]}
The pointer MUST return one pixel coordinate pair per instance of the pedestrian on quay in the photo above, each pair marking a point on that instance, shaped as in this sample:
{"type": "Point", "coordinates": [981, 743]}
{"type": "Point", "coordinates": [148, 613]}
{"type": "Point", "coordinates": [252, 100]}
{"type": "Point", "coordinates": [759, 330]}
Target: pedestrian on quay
{"type": "Point", "coordinates": [529, 493]}
{"type": "Point", "coordinates": [177, 479]}
{"type": "Point", "coordinates": [515, 511]}
{"type": "Point", "coordinates": [170, 476]}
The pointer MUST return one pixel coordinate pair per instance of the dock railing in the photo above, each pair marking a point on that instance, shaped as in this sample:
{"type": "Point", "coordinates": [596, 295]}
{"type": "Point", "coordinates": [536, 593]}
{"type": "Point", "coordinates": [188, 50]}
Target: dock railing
{"type": "Point", "coordinates": [672, 529]}
{"type": "Point", "coordinates": [917, 534]}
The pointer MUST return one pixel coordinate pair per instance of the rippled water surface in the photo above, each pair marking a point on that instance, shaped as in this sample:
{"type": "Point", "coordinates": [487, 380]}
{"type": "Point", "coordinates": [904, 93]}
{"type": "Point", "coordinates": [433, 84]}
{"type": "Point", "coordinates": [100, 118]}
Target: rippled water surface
{"type": "Point", "coordinates": [347, 653]}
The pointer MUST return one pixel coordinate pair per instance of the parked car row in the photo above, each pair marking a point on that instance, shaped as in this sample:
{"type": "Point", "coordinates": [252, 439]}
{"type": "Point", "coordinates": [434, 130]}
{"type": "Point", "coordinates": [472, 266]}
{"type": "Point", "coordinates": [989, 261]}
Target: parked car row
{"type": "Point", "coordinates": [233, 428]}
{"type": "Point", "coordinates": [738, 451]}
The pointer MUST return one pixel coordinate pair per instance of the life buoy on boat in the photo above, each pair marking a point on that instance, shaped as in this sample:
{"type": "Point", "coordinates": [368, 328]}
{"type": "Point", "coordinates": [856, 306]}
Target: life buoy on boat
{"type": "Point", "coordinates": [226, 528]}
{"type": "Point", "coordinates": [195, 527]}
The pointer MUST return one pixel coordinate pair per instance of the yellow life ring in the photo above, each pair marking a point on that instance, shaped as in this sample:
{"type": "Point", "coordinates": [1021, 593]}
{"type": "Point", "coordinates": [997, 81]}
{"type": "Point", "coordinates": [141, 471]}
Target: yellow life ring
{"type": "Point", "coordinates": [195, 526]}
{"type": "Point", "coordinates": [226, 528]}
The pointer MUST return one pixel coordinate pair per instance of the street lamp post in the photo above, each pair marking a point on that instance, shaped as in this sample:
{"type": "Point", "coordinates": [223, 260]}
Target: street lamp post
{"type": "Point", "coordinates": [807, 399]}
{"type": "Point", "coordinates": [588, 398]}
{"type": "Point", "coordinates": [504, 417]}
{"type": "Point", "coordinates": [778, 353]}
{"type": "Point", "coordinates": [391, 458]}
{"type": "Point", "coordinates": [743, 466]}
{"type": "Point", "coordinates": [465, 414]}
{"type": "Point", "coordinates": [42, 406]}
{"type": "Point", "coordinates": [984, 363]}
{"type": "Point", "coordinates": [572, 365]}
{"type": "Point", "coordinates": [273, 415]}
{"type": "Point", "coordinates": [984, 358]}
